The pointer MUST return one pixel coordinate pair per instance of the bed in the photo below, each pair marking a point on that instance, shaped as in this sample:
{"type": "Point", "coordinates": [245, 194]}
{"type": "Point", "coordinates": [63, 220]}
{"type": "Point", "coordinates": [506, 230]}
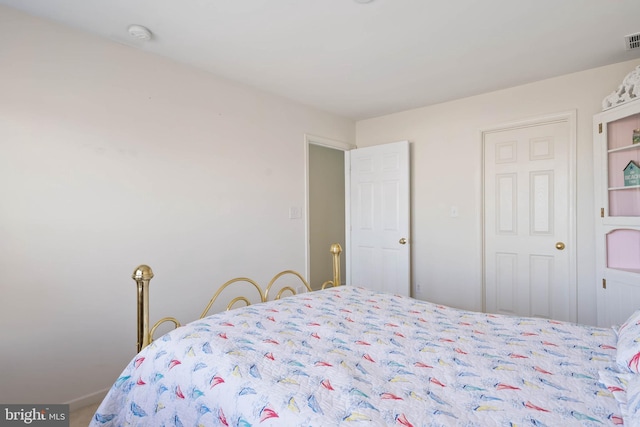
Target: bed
{"type": "Point", "coordinates": [347, 355]}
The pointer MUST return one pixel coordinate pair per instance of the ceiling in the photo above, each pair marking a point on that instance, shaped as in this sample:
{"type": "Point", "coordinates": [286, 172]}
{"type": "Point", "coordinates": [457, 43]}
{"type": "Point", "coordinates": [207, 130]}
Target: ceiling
{"type": "Point", "coordinates": [366, 60]}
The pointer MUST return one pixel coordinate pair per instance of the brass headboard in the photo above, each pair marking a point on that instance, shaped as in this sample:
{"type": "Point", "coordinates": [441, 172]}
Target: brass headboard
{"type": "Point", "coordinates": [143, 275]}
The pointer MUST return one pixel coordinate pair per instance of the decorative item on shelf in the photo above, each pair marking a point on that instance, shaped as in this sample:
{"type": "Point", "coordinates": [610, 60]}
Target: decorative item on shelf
{"type": "Point", "coordinates": [636, 136]}
{"type": "Point", "coordinates": [631, 174]}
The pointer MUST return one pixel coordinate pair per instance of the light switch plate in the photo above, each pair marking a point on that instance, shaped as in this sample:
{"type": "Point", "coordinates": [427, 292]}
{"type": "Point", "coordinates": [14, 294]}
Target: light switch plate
{"type": "Point", "coordinates": [295, 212]}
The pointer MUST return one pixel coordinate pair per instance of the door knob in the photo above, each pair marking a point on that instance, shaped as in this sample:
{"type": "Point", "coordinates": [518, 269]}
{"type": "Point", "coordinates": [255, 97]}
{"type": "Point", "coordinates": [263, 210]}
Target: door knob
{"type": "Point", "coordinates": [403, 241]}
{"type": "Point", "coordinates": [559, 246]}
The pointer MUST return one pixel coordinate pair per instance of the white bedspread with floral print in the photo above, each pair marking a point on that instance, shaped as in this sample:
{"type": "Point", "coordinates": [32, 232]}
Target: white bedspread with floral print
{"type": "Point", "coordinates": [351, 356]}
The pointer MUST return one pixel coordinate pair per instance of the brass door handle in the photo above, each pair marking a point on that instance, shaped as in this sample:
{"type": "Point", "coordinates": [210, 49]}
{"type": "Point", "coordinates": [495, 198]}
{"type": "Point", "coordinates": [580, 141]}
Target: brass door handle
{"type": "Point", "coordinates": [559, 246]}
{"type": "Point", "coordinates": [403, 241]}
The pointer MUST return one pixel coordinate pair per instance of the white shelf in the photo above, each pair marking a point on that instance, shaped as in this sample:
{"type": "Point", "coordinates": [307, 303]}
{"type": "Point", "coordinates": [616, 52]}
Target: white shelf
{"type": "Point", "coordinates": [628, 187]}
{"type": "Point", "coordinates": [610, 223]}
{"type": "Point", "coordinates": [632, 271]}
{"type": "Point", "coordinates": [625, 148]}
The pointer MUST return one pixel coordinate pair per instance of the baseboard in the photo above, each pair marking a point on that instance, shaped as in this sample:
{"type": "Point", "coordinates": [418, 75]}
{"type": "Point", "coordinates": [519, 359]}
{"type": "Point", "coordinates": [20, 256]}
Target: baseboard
{"type": "Point", "coordinates": [87, 400]}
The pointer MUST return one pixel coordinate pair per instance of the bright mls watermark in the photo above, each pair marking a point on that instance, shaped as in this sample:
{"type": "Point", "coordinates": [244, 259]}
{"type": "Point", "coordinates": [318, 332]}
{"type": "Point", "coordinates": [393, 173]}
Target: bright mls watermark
{"type": "Point", "coordinates": [34, 415]}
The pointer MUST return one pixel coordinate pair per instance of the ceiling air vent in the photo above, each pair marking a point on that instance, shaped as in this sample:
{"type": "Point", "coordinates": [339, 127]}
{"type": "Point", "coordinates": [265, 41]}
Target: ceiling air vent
{"type": "Point", "coordinates": [632, 41]}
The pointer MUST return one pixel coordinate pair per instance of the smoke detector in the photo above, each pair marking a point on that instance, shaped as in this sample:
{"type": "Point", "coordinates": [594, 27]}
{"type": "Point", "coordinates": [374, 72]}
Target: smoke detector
{"type": "Point", "coordinates": [632, 41]}
{"type": "Point", "coordinates": [139, 32]}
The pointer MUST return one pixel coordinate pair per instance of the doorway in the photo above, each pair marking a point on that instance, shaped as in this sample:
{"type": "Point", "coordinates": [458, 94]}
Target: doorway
{"type": "Point", "coordinates": [336, 195]}
{"type": "Point", "coordinates": [325, 175]}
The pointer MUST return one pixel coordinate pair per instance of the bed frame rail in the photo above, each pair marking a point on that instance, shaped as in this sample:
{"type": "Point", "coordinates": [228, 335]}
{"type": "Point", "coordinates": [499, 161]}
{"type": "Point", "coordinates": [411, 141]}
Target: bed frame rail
{"type": "Point", "coordinates": [143, 274]}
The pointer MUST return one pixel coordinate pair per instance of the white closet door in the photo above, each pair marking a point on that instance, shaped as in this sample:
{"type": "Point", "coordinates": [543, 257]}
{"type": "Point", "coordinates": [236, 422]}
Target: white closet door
{"type": "Point", "coordinates": [527, 225]}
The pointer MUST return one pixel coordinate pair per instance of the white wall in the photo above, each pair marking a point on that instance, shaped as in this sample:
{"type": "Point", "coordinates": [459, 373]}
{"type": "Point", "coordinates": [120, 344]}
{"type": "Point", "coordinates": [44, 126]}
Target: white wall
{"type": "Point", "coordinates": [110, 158]}
{"type": "Point", "coordinates": [446, 170]}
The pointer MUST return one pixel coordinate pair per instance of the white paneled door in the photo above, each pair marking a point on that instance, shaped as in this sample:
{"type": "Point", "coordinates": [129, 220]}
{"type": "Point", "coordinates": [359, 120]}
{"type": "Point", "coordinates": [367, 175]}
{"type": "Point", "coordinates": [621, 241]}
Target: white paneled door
{"type": "Point", "coordinates": [528, 205]}
{"type": "Point", "coordinates": [379, 246]}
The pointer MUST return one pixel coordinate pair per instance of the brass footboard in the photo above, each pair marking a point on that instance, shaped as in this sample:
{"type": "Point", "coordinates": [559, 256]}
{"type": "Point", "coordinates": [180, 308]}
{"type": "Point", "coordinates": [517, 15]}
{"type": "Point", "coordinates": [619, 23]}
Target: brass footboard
{"type": "Point", "coordinates": [143, 275]}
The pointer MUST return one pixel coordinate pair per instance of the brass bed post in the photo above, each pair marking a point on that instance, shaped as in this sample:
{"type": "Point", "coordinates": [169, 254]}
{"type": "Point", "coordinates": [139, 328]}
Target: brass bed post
{"type": "Point", "coordinates": [336, 250]}
{"type": "Point", "coordinates": [143, 275]}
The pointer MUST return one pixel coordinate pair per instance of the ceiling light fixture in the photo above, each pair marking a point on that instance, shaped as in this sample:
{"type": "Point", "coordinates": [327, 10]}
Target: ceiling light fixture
{"type": "Point", "coordinates": [139, 32]}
